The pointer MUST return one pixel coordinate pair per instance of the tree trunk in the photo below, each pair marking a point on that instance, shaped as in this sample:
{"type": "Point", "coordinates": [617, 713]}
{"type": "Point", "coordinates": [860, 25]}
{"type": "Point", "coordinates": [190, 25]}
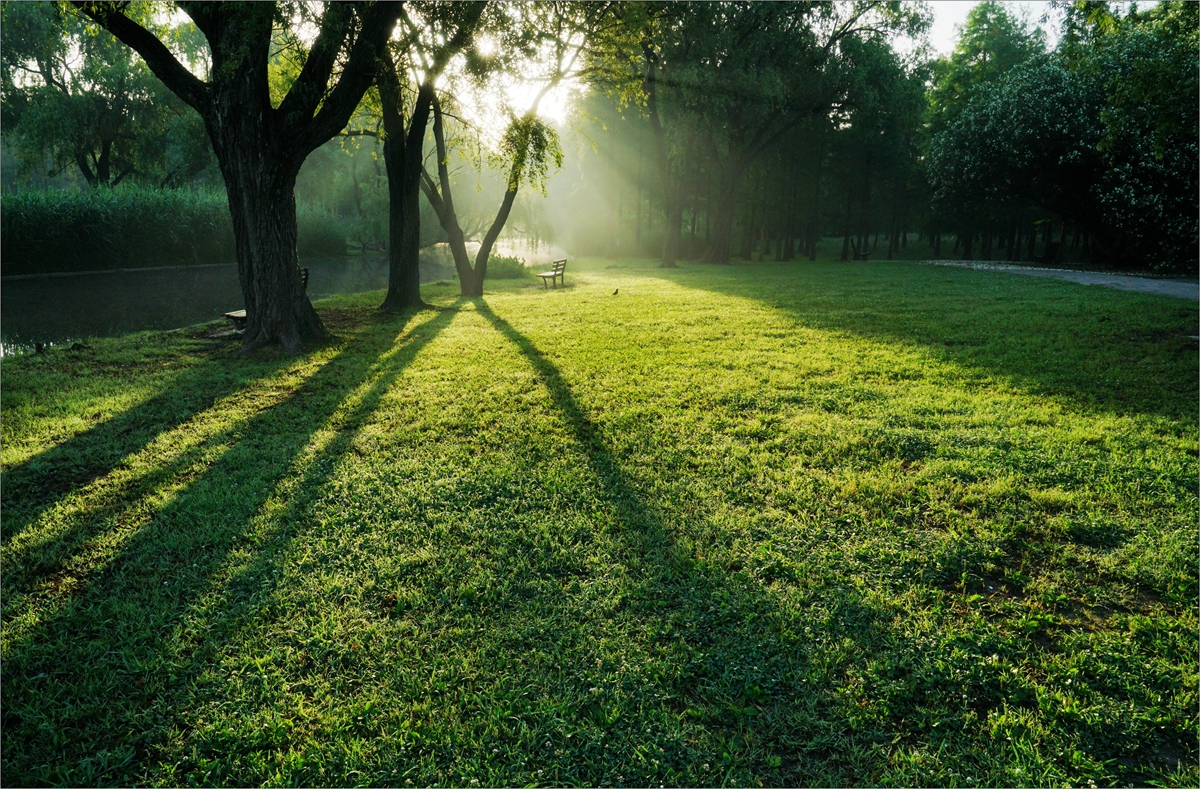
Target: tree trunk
{"type": "Point", "coordinates": [404, 163]}
{"type": "Point", "coordinates": [637, 230]}
{"type": "Point", "coordinates": [814, 227]}
{"type": "Point", "coordinates": [747, 245]}
{"type": "Point", "coordinates": [846, 234]}
{"type": "Point", "coordinates": [485, 248]}
{"type": "Point", "coordinates": [262, 207]}
{"type": "Point", "coordinates": [720, 216]}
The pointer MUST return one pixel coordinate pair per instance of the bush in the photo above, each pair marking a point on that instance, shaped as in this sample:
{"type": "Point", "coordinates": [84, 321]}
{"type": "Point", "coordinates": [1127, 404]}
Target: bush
{"type": "Point", "coordinates": [500, 267]}
{"type": "Point", "coordinates": [133, 227]}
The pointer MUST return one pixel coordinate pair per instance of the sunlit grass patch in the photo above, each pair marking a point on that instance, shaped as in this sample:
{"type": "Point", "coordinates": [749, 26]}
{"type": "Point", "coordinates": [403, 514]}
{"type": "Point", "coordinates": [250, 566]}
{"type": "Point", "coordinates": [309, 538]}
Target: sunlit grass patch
{"type": "Point", "coordinates": [829, 524]}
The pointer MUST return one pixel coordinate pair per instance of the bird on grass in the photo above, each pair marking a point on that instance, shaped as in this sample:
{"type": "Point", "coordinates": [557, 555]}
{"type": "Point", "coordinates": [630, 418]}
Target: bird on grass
{"type": "Point", "coordinates": [615, 291]}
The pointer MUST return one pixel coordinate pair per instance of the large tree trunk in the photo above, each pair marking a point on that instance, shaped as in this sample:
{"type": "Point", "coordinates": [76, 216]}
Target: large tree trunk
{"type": "Point", "coordinates": [260, 181]}
{"type": "Point", "coordinates": [262, 205]}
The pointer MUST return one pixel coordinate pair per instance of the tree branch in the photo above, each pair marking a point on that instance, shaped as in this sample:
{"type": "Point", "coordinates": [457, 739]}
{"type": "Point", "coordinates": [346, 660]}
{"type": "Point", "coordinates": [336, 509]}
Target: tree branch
{"type": "Point", "coordinates": [361, 69]}
{"type": "Point", "coordinates": [306, 92]}
{"type": "Point", "coordinates": [182, 82]}
{"type": "Point", "coordinates": [207, 17]}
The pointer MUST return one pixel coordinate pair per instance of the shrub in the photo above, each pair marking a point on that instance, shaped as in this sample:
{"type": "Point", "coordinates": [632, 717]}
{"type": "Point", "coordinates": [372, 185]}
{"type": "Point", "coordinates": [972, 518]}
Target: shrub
{"type": "Point", "coordinates": [501, 267]}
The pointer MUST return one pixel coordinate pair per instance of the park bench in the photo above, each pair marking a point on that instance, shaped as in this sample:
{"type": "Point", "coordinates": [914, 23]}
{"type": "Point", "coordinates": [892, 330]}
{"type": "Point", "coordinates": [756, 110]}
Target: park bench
{"type": "Point", "coordinates": [238, 317]}
{"type": "Point", "coordinates": [1050, 255]}
{"type": "Point", "coordinates": [861, 253]}
{"type": "Point", "coordinates": [555, 273]}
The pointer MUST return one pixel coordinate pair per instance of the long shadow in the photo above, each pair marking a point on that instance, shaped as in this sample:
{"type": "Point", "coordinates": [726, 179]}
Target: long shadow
{"type": "Point", "coordinates": [28, 488]}
{"type": "Point", "coordinates": [826, 706]}
{"type": "Point", "coordinates": [723, 616]}
{"type": "Point", "coordinates": [1103, 349]}
{"type": "Point", "coordinates": [91, 674]}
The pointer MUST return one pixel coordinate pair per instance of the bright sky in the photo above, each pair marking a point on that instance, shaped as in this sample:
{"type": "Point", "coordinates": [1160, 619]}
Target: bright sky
{"type": "Point", "coordinates": [949, 14]}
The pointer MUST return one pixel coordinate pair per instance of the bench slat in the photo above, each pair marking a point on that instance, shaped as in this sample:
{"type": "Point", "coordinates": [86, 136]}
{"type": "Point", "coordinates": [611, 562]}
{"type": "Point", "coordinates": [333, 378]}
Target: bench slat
{"type": "Point", "coordinates": [556, 272]}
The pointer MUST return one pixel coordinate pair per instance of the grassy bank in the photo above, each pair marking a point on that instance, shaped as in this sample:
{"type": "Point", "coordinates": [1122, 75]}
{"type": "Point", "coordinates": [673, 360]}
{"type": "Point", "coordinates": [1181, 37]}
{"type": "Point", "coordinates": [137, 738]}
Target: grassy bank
{"type": "Point", "coordinates": [783, 524]}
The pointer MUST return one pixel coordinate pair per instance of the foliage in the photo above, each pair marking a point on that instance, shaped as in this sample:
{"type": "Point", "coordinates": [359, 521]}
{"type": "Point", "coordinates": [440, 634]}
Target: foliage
{"type": "Point", "coordinates": [75, 97]}
{"type": "Point", "coordinates": [993, 41]}
{"type": "Point", "coordinates": [132, 227]}
{"type": "Point", "coordinates": [1102, 134]}
{"type": "Point", "coordinates": [829, 525]}
{"type": "Point", "coordinates": [1031, 137]}
{"type": "Point", "coordinates": [507, 267]}
{"type": "Point", "coordinates": [1148, 190]}
{"type": "Point", "coordinates": [530, 148]}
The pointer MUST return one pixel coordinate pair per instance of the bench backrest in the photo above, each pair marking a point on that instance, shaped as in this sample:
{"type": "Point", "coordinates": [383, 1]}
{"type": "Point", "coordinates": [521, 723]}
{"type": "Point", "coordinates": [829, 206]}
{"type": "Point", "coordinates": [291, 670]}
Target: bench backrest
{"type": "Point", "coordinates": [560, 266]}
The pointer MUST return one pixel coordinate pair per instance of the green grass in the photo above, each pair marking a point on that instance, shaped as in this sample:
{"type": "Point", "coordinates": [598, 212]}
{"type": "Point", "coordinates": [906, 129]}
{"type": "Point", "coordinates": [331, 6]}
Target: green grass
{"type": "Point", "coordinates": [832, 524]}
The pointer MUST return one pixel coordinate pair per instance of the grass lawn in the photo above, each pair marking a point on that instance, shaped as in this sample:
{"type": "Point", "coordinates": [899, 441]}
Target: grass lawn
{"type": "Point", "coordinates": [835, 524]}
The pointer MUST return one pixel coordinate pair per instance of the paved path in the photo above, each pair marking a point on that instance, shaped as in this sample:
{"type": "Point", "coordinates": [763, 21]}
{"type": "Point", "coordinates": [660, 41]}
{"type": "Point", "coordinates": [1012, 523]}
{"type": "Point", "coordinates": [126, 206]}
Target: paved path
{"type": "Point", "coordinates": [1180, 289]}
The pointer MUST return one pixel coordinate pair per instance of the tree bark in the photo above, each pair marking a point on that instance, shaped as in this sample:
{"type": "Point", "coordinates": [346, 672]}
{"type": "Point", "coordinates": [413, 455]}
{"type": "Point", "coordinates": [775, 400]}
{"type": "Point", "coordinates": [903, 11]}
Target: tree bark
{"type": "Point", "coordinates": [485, 247]}
{"type": "Point", "coordinates": [404, 157]}
{"type": "Point", "coordinates": [722, 213]}
{"type": "Point", "coordinates": [262, 205]}
{"type": "Point", "coordinates": [846, 233]}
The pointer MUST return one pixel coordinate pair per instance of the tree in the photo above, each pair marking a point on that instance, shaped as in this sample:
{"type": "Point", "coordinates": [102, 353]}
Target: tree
{"type": "Point", "coordinates": [991, 42]}
{"type": "Point", "coordinates": [435, 36]}
{"type": "Point", "coordinates": [560, 32]}
{"type": "Point", "coordinates": [528, 149]}
{"type": "Point", "coordinates": [259, 145]}
{"type": "Point", "coordinates": [74, 96]}
{"type": "Point", "coordinates": [749, 73]}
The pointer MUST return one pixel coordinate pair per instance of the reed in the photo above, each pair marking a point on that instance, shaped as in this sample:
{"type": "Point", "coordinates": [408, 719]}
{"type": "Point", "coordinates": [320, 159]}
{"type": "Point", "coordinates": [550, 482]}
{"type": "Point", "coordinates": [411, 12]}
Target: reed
{"type": "Point", "coordinates": [48, 231]}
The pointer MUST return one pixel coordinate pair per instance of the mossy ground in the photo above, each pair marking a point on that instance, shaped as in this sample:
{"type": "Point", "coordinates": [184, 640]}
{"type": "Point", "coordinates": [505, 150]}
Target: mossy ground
{"type": "Point", "coordinates": [833, 524]}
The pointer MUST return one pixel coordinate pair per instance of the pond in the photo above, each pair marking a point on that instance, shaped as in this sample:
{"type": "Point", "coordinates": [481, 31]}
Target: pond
{"type": "Point", "coordinates": [55, 309]}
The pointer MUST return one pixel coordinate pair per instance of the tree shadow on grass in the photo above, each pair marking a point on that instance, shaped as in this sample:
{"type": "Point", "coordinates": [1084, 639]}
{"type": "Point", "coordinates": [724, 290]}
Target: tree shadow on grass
{"type": "Point", "coordinates": [32, 486]}
{"type": "Point", "coordinates": [741, 674]}
{"type": "Point", "coordinates": [96, 680]}
{"type": "Point", "coordinates": [1101, 349]}
{"type": "Point", "coordinates": [809, 678]}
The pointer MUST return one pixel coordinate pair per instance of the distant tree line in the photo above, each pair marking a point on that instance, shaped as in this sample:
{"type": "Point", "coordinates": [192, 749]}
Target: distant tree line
{"type": "Point", "coordinates": [1005, 149]}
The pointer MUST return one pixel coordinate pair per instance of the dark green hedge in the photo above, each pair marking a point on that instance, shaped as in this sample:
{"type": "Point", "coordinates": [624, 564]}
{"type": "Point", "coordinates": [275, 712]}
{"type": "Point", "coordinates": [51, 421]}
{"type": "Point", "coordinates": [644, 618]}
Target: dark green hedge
{"type": "Point", "coordinates": [52, 231]}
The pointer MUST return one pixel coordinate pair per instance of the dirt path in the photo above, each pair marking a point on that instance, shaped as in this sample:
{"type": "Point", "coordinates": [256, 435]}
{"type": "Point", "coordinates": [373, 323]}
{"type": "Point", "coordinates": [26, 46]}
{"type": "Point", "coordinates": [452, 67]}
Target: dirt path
{"type": "Point", "coordinates": [1180, 289]}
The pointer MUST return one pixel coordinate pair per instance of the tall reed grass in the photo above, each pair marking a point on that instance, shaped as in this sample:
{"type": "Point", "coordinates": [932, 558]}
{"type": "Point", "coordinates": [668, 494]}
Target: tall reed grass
{"type": "Point", "coordinates": [133, 227]}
